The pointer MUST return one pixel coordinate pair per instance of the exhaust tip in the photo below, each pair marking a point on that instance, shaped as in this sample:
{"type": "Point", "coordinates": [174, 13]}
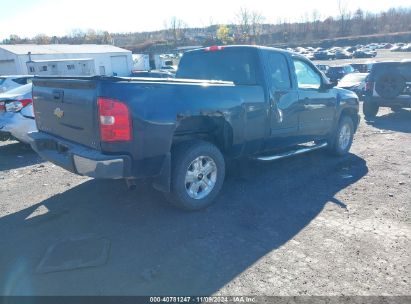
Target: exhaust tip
{"type": "Point", "coordinates": [131, 184]}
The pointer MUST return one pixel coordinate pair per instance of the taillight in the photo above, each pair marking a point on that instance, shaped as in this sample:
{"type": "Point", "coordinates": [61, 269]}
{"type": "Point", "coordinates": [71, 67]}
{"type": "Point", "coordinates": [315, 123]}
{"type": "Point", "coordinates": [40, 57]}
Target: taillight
{"type": "Point", "coordinates": [214, 48]}
{"type": "Point", "coordinates": [115, 123]}
{"type": "Point", "coordinates": [369, 86]}
{"type": "Point", "coordinates": [2, 107]}
{"type": "Point", "coordinates": [17, 105]}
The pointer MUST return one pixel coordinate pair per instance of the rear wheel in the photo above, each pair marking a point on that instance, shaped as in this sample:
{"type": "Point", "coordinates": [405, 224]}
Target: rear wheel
{"type": "Point", "coordinates": [4, 136]}
{"type": "Point", "coordinates": [198, 171]}
{"type": "Point", "coordinates": [343, 137]}
{"type": "Point", "coordinates": [390, 85]}
{"type": "Point", "coordinates": [370, 109]}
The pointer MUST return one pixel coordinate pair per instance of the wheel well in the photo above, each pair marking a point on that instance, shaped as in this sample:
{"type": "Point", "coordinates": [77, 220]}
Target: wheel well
{"type": "Point", "coordinates": [352, 113]}
{"type": "Point", "coordinates": [215, 130]}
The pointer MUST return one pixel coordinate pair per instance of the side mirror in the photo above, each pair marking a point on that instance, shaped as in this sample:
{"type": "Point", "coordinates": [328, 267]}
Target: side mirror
{"type": "Point", "coordinates": [329, 85]}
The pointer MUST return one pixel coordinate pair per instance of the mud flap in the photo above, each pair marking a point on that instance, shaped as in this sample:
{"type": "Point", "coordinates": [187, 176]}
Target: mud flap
{"type": "Point", "coordinates": [162, 182]}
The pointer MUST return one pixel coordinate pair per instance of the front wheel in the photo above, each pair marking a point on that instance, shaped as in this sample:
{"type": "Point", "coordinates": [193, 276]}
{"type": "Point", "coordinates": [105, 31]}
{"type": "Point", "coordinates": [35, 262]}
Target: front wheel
{"type": "Point", "coordinates": [343, 137]}
{"type": "Point", "coordinates": [198, 171]}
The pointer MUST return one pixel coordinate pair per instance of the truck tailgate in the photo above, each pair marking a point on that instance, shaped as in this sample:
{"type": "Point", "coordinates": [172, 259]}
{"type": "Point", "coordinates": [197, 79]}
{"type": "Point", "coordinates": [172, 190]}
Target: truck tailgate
{"type": "Point", "coordinates": [67, 108]}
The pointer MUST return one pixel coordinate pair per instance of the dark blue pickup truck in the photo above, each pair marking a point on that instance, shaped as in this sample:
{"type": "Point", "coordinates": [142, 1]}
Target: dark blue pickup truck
{"type": "Point", "coordinates": [225, 102]}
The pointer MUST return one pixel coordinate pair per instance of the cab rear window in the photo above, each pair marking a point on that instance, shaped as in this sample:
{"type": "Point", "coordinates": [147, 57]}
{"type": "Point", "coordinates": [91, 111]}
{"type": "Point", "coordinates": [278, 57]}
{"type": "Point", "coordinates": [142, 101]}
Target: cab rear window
{"type": "Point", "coordinates": [236, 65]}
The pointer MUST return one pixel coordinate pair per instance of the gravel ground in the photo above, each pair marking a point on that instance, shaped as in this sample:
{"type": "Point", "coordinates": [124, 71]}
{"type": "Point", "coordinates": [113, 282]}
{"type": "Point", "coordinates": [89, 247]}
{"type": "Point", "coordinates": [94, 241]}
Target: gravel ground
{"type": "Point", "coordinates": [309, 225]}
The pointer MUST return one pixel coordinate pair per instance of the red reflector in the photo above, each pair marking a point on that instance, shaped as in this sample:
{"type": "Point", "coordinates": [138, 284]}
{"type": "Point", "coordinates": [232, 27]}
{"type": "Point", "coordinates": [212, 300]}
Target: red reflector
{"type": "Point", "coordinates": [214, 48]}
{"type": "Point", "coordinates": [369, 86]}
{"type": "Point", "coordinates": [115, 123]}
{"type": "Point", "coordinates": [26, 102]}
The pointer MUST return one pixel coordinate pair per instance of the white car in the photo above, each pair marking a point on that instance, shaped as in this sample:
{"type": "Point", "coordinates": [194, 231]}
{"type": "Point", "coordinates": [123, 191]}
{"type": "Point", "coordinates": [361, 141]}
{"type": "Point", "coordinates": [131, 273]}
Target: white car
{"type": "Point", "coordinates": [354, 82]}
{"type": "Point", "coordinates": [17, 114]}
{"type": "Point", "coordinates": [10, 82]}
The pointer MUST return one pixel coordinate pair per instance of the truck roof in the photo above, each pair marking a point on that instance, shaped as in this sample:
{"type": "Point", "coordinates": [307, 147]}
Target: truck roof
{"type": "Point", "coordinates": [244, 47]}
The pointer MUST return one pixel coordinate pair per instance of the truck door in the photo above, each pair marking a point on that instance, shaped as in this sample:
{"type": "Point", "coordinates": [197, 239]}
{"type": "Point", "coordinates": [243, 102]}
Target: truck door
{"type": "Point", "coordinates": [317, 104]}
{"type": "Point", "coordinates": [283, 98]}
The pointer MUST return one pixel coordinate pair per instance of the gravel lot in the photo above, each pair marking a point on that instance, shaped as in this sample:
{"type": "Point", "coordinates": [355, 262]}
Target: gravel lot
{"type": "Point", "coordinates": [310, 225]}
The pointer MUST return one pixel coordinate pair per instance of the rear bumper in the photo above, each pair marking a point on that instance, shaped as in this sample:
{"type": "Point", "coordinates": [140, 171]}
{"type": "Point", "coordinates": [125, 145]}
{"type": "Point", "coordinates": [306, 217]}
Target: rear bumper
{"type": "Point", "coordinates": [400, 101]}
{"type": "Point", "coordinates": [17, 125]}
{"type": "Point", "coordinates": [78, 159]}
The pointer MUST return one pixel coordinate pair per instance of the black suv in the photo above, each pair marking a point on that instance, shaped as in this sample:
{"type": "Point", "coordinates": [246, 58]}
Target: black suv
{"type": "Point", "coordinates": [387, 85]}
{"type": "Point", "coordinates": [336, 73]}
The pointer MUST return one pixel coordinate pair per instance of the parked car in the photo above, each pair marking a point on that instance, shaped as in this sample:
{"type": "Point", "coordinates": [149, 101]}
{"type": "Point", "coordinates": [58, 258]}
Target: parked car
{"type": "Point", "coordinates": [354, 82]}
{"type": "Point", "coordinates": [153, 74]}
{"type": "Point", "coordinates": [351, 49]}
{"type": "Point", "coordinates": [364, 54]}
{"type": "Point", "coordinates": [170, 68]}
{"type": "Point", "coordinates": [309, 56]}
{"type": "Point", "coordinates": [406, 48]}
{"type": "Point", "coordinates": [13, 81]}
{"type": "Point", "coordinates": [16, 113]}
{"type": "Point", "coordinates": [323, 67]}
{"type": "Point", "coordinates": [179, 132]}
{"type": "Point", "coordinates": [397, 47]}
{"type": "Point", "coordinates": [343, 55]}
{"type": "Point", "coordinates": [323, 55]}
{"type": "Point", "coordinates": [363, 67]}
{"type": "Point", "coordinates": [388, 85]}
{"type": "Point", "coordinates": [336, 73]}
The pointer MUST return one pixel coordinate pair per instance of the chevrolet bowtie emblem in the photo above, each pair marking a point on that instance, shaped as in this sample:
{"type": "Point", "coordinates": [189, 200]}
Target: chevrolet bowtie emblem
{"type": "Point", "coordinates": [59, 112]}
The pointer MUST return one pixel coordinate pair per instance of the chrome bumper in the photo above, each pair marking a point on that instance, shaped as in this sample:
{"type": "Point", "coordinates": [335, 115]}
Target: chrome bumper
{"type": "Point", "coordinates": [79, 159]}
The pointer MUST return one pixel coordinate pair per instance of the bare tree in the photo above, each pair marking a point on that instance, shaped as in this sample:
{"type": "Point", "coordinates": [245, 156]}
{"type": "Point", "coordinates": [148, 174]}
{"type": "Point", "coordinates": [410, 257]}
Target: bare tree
{"type": "Point", "coordinates": [177, 28]}
{"type": "Point", "coordinates": [250, 25]}
{"type": "Point", "coordinates": [315, 19]}
{"type": "Point", "coordinates": [14, 39]}
{"type": "Point", "coordinates": [256, 19]}
{"type": "Point", "coordinates": [42, 39]}
{"type": "Point", "coordinates": [345, 15]}
{"type": "Point", "coordinates": [244, 22]}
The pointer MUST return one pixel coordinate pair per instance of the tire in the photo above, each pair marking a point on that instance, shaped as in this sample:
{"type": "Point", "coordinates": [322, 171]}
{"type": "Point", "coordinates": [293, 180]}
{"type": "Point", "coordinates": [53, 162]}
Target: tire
{"type": "Point", "coordinates": [390, 85]}
{"type": "Point", "coordinates": [343, 137]}
{"type": "Point", "coordinates": [370, 109]}
{"type": "Point", "coordinates": [197, 176]}
{"type": "Point", "coordinates": [4, 137]}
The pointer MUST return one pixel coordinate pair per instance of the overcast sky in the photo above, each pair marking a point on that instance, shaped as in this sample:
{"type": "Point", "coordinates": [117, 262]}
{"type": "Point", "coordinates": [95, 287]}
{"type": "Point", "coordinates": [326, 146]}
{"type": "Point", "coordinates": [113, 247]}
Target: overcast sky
{"type": "Point", "coordinates": [28, 18]}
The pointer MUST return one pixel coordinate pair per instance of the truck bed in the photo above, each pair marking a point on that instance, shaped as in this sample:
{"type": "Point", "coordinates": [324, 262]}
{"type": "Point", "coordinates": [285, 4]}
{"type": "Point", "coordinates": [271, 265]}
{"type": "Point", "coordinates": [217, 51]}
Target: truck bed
{"type": "Point", "coordinates": [67, 106]}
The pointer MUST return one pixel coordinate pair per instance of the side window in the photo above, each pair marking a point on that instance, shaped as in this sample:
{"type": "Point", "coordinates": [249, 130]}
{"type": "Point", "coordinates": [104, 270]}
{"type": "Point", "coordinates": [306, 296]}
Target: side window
{"type": "Point", "coordinates": [279, 75]}
{"type": "Point", "coordinates": [307, 77]}
{"type": "Point", "coordinates": [21, 81]}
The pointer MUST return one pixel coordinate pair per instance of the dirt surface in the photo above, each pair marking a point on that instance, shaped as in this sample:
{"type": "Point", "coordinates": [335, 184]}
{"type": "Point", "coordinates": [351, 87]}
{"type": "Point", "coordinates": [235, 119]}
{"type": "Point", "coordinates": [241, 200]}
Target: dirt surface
{"type": "Point", "coordinates": [310, 225]}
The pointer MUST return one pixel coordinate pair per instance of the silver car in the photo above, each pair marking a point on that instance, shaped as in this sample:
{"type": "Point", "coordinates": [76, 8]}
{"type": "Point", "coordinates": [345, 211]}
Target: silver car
{"type": "Point", "coordinates": [10, 82]}
{"type": "Point", "coordinates": [17, 114]}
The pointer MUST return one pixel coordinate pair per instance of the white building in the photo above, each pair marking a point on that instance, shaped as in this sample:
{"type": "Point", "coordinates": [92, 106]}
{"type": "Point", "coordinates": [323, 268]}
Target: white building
{"type": "Point", "coordinates": [141, 62]}
{"type": "Point", "coordinates": [55, 59]}
{"type": "Point", "coordinates": [63, 67]}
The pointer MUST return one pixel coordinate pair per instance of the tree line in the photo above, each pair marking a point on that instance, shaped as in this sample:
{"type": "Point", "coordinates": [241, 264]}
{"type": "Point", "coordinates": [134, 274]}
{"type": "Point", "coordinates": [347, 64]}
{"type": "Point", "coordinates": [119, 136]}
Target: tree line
{"type": "Point", "coordinates": [248, 27]}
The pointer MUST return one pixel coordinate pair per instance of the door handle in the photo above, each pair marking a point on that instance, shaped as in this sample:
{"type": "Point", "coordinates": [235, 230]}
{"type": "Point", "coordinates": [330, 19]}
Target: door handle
{"type": "Point", "coordinates": [58, 95]}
